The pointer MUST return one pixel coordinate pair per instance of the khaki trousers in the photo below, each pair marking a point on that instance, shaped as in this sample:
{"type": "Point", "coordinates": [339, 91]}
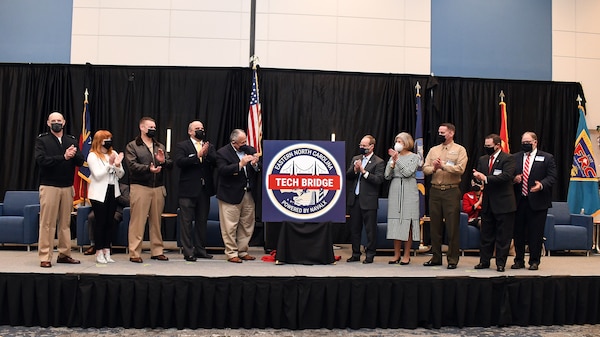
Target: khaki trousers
{"type": "Point", "coordinates": [56, 205]}
{"type": "Point", "coordinates": [237, 225]}
{"type": "Point", "coordinates": [147, 204]}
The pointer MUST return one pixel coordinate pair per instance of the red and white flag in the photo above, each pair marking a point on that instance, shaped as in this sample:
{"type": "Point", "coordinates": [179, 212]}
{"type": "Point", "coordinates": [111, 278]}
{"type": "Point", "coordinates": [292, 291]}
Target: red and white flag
{"type": "Point", "coordinates": [255, 116]}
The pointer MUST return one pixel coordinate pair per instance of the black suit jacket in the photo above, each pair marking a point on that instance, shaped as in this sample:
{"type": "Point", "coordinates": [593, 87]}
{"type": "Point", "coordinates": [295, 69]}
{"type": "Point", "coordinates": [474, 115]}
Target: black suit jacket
{"type": "Point", "coordinates": [498, 194]}
{"type": "Point", "coordinates": [543, 169]}
{"type": "Point", "coordinates": [231, 180]}
{"type": "Point", "coordinates": [369, 187]}
{"type": "Point", "coordinates": [195, 177]}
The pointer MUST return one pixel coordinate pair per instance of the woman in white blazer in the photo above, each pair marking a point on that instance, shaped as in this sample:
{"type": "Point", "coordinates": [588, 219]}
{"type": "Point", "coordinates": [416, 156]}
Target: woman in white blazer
{"type": "Point", "coordinates": [105, 171]}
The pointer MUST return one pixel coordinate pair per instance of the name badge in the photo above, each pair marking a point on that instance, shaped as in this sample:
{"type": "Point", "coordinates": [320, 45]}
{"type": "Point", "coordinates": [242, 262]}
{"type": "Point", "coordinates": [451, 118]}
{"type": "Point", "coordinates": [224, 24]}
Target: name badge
{"type": "Point", "coordinates": [539, 158]}
{"type": "Point", "coordinates": [497, 172]}
{"type": "Point", "coordinates": [449, 163]}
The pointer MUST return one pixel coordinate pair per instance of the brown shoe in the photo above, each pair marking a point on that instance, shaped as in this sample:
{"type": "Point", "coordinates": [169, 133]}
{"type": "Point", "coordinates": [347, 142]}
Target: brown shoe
{"type": "Point", "coordinates": [235, 259]}
{"type": "Point", "coordinates": [90, 251]}
{"type": "Point", "coordinates": [136, 260]}
{"type": "Point", "coordinates": [248, 258]}
{"type": "Point", "coordinates": [67, 259]}
{"type": "Point", "coordinates": [160, 257]}
{"type": "Point", "coordinates": [45, 264]}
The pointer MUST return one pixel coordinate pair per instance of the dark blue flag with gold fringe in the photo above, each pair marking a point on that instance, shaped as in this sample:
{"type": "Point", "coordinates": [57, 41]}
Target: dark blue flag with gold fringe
{"type": "Point", "coordinates": [419, 150]}
{"type": "Point", "coordinates": [583, 186]}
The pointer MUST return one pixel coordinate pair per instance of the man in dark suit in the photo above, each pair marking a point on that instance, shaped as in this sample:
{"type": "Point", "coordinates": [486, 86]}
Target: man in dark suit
{"type": "Point", "coordinates": [363, 180]}
{"type": "Point", "coordinates": [196, 158]}
{"type": "Point", "coordinates": [535, 174]}
{"type": "Point", "coordinates": [238, 168]}
{"type": "Point", "coordinates": [496, 170]}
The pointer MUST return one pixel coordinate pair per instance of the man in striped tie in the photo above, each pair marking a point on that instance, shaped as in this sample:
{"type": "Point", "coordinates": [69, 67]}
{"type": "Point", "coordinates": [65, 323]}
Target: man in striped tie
{"type": "Point", "coordinates": [535, 174]}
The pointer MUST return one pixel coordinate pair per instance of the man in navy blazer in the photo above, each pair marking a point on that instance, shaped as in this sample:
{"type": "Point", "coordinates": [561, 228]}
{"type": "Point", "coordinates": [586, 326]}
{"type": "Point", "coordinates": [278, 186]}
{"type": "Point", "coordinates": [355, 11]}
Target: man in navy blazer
{"type": "Point", "coordinates": [535, 174]}
{"type": "Point", "coordinates": [363, 180]}
{"type": "Point", "coordinates": [496, 169]}
{"type": "Point", "coordinates": [196, 158]}
{"type": "Point", "coordinates": [238, 168]}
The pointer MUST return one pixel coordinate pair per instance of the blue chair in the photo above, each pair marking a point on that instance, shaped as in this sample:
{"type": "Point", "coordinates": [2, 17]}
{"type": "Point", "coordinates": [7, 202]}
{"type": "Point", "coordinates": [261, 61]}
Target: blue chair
{"type": "Point", "coordinates": [382, 241]}
{"type": "Point", "coordinates": [213, 226]}
{"type": "Point", "coordinates": [567, 231]}
{"type": "Point", "coordinates": [470, 236]}
{"type": "Point", "coordinates": [120, 236]}
{"type": "Point", "coordinates": [20, 218]}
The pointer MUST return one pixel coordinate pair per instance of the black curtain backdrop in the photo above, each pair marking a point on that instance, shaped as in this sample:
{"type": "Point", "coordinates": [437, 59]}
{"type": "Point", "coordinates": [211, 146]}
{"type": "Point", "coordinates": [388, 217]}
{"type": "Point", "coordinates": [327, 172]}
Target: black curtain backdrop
{"type": "Point", "coordinates": [149, 301]}
{"type": "Point", "coordinates": [296, 104]}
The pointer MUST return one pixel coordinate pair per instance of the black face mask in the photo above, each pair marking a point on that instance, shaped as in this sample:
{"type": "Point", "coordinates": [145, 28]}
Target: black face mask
{"type": "Point", "coordinates": [151, 133]}
{"type": "Point", "coordinates": [200, 134]}
{"type": "Point", "coordinates": [56, 127]}
{"type": "Point", "coordinates": [475, 188]}
{"type": "Point", "coordinates": [247, 149]}
{"type": "Point", "coordinates": [527, 147]}
{"type": "Point", "coordinates": [107, 144]}
{"type": "Point", "coordinates": [362, 150]}
{"type": "Point", "coordinates": [489, 150]}
{"type": "Point", "coordinates": [440, 139]}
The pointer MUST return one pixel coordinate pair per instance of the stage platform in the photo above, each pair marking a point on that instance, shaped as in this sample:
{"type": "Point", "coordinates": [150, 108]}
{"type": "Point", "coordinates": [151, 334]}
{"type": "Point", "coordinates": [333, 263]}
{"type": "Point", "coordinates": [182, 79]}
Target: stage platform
{"type": "Point", "coordinates": [257, 294]}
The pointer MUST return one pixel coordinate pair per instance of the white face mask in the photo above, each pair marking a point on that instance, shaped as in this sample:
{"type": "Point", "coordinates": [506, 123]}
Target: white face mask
{"type": "Point", "coordinates": [398, 147]}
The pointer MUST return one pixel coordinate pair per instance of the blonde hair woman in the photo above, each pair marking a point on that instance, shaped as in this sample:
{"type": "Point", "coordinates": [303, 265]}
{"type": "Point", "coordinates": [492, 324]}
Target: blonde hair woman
{"type": "Point", "coordinates": [403, 197]}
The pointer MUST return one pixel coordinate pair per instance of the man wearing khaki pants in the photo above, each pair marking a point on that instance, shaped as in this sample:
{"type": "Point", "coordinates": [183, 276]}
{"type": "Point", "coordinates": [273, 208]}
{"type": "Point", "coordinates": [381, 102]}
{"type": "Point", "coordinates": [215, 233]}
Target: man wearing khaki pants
{"type": "Point", "coordinates": [57, 156]}
{"type": "Point", "coordinates": [146, 158]}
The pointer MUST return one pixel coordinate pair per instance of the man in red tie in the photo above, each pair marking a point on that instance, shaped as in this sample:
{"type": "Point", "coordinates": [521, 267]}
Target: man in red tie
{"type": "Point", "coordinates": [495, 170]}
{"type": "Point", "coordinates": [535, 174]}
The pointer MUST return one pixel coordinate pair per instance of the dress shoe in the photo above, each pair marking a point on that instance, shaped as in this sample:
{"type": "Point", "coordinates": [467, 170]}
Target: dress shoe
{"type": "Point", "coordinates": [353, 259]}
{"type": "Point", "coordinates": [500, 269]}
{"type": "Point", "coordinates": [394, 261]}
{"type": "Point", "coordinates": [190, 258]}
{"type": "Point", "coordinates": [518, 265]}
{"type": "Point", "coordinates": [431, 264]}
{"type": "Point", "coordinates": [235, 259]}
{"type": "Point", "coordinates": [248, 258]}
{"type": "Point", "coordinates": [534, 266]}
{"type": "Point", "coordinates": [67, 259]}
{"type": "Point", "coordinates": [45, 264]}
{"type": "Point", "coordinates": [368, 261]}
{"type": "Point", "coordinates": [90, 251]}
{"type": "Point", "coordinates": [402, 263]}
{"type": "Point", "coordinates": [452, 266]}
{"type": "Point", "coordinates": [160, 257]}
{"type": "Point", "coordinates": [136, 260]}
{"type": "Point", "coordinates": [203, 256]}
{"type": "Point", "coordinates": [481, 266]}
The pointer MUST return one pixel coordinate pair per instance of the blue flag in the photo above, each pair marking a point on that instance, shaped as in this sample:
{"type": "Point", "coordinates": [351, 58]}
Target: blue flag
{"type": "Point", "coordinates": [419, 151]}
{"type": "Point", "coordinates": [583, 186]}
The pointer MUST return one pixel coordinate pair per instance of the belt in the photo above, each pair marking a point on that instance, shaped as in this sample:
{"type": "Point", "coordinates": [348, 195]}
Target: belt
{"type": "Point", "coordinates": [443, 187]}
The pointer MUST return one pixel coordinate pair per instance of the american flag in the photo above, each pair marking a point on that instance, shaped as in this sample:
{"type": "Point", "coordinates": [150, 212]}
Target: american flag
{"type": "Point", "coordinates": [255, 116]}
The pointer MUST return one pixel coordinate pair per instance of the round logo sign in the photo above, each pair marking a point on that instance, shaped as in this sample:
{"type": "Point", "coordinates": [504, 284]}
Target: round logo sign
{"type": "Point", "coordinates": [304, 181]}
